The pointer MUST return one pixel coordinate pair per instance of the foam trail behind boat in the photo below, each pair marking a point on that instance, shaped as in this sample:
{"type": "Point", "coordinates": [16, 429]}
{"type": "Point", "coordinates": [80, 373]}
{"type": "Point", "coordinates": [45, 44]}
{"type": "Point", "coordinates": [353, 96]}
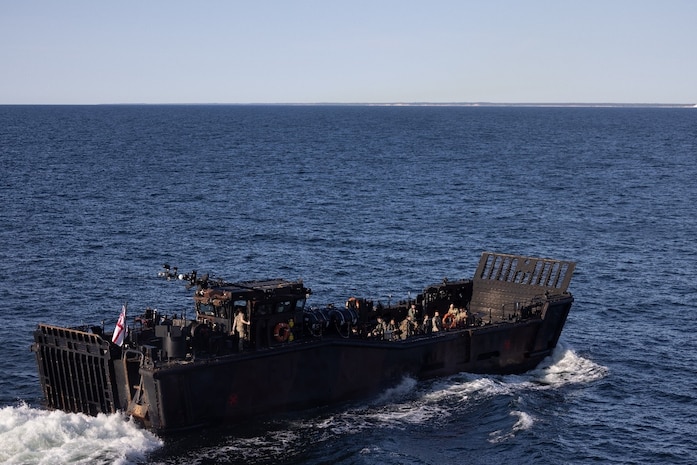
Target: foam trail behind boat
{"type": "Point", "coordinates": [35, 436]}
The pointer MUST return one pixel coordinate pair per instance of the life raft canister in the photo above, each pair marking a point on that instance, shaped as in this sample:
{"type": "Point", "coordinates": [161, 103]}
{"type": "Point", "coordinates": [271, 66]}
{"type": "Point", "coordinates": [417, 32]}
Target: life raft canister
{"type": "Point", "coordinates": [282, 332]}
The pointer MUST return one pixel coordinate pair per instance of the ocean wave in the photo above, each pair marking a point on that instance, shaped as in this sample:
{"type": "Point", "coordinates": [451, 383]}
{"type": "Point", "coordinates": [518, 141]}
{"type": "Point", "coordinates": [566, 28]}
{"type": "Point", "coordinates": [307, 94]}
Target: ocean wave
{"type": "Point", "coordinates": [524, 422]}
{"type": "Point", "coordinates": [34, 436]}
{"type": "Point", "coordinates": [564, 367]}
{"type": "Point", "coordinates": [410, 402]}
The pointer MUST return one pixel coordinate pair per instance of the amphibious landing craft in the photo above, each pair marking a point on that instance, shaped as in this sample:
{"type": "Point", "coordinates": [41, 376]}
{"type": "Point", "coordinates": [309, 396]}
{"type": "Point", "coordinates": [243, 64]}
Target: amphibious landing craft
{"type": "Point", "coordinates": [256, 347]}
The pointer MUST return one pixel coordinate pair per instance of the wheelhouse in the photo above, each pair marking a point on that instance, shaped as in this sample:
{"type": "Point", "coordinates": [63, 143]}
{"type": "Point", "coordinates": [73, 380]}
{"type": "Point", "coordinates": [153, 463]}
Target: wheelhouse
{"type": "Point", "coordinates": [267, 307]}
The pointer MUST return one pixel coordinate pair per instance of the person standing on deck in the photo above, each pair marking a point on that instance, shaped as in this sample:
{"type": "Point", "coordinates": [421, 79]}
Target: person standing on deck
{"type": "Point", "coordinates": [437, 324]}
{"type": "Point", "coordinates": [240, 327]}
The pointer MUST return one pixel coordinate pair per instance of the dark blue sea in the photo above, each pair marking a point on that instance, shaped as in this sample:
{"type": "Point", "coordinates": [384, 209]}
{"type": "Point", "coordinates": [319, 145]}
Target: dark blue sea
{"type": "Point", "coordinates": [374, 201]}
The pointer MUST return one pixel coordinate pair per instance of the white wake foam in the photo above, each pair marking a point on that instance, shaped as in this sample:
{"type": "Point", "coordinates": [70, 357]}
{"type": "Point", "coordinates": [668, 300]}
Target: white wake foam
{"type": "Point", "coordinates": [404, 388]}
{"type": "Point", "coordinates": [524, 422]}
{"type": "Point", "coordinates": [34, 436]}
{"type": "Point", "coordinates": [411, 403]}
{"type": "Point", "coordinates": [566, 367]}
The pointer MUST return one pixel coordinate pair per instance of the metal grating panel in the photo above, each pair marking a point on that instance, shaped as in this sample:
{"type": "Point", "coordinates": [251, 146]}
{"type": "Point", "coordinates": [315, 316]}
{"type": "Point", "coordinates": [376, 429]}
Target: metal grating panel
{"type": "Point", "coordinates": [74, 368]}
{"type": "Point", "coordinates": [503, 280]}
{"type": "Point", "coordinates": [547, 274]}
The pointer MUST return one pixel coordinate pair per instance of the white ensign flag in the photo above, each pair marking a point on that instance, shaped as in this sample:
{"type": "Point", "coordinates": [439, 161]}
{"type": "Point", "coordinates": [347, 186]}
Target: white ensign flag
{"type": "Point", "coordinates": [121, 329]}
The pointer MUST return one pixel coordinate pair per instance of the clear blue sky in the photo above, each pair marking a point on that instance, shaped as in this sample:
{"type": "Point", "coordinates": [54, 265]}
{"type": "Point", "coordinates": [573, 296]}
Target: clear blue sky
{"type": "Point", "coordinates": [348, 51]}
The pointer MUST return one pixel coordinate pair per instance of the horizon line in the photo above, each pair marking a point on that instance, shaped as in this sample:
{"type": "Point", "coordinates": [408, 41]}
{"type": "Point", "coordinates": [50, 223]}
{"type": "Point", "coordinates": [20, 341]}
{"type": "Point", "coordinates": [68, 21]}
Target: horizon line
{"type": "Point", "coordinates": [384, 104]}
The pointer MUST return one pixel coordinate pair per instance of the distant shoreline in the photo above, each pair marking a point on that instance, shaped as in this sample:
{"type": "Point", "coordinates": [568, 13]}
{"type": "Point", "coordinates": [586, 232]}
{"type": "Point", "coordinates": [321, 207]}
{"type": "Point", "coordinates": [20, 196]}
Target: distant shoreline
{"type": "Point", "coordinates": [387, 104]}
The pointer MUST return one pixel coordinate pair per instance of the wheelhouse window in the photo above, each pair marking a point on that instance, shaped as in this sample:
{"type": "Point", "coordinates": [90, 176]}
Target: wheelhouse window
{"type": "Point", "coordinates": [206, 309]}
{"type": "Point", "coordinates": [239, 305]}
{"type": "Point", "coordinates": [284, 306]}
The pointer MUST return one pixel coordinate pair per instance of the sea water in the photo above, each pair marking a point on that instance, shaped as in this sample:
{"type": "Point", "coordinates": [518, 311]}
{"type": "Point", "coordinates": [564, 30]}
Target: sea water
{"type": "Point", "coordinates": [367, 201]}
